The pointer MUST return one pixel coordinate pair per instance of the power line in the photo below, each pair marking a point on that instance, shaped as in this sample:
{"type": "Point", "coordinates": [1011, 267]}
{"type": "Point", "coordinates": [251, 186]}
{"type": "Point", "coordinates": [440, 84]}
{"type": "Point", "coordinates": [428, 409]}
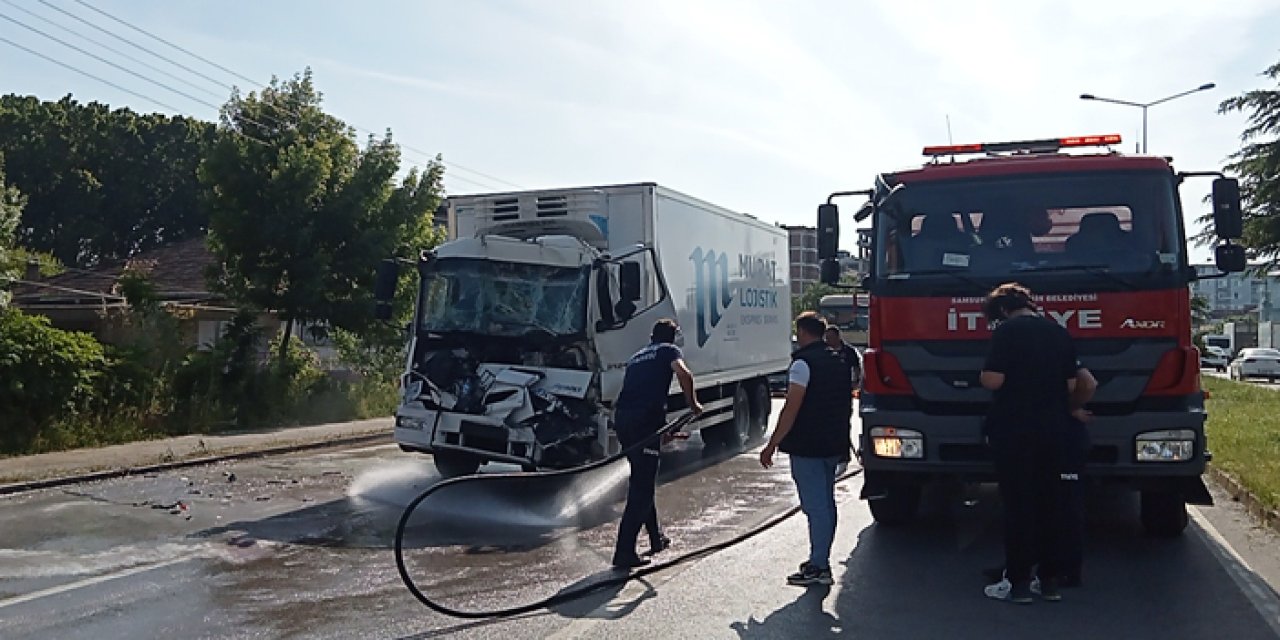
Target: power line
{"type": "Point", "coordinates": [108, 62]}
{"type": "Point", "coordinates": [86, 73]}
{"type": "Point", "coordinates": [162, 40]}
{"type": "Point", "coordinates": [133, 44]}
{"type": "Point", "coordinates": [109, 48]}
{"type": "Point", "coordinates": [256, 84]}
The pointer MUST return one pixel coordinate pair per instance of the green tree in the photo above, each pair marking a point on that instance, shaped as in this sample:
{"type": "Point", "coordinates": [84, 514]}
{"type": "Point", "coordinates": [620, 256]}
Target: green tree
{"type": "Point", "coordinates": [102, 183]}
{"type": "Point", "coordinates": [1257, 164]}
{"type": "Point", "coordinates": [11, 203]}
{"type": "Point", "coordinates": [1199, 309]}
{"type": "Point", "coordinates": [300, 215]}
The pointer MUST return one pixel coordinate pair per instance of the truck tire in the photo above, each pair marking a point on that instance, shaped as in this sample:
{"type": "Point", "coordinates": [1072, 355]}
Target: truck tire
{"type": "Point", "coordinates": [736, 431]}
{"type": "Point", "coordinates": [1164, 513]}
{"type": "Point", "coordinates": [896, 506]}
{"type": "Point", "coordinates": [452, 463]}
{"type": "Point", "coordinates": [761, 406]}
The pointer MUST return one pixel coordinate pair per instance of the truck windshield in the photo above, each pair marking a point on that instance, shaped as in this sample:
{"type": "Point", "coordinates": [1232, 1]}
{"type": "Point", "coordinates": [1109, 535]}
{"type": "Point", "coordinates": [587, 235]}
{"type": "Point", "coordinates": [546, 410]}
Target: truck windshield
{"type": "Point", "coordinates": [503, 298]}
{"type": "Point", "coordinates": [1119, 224]}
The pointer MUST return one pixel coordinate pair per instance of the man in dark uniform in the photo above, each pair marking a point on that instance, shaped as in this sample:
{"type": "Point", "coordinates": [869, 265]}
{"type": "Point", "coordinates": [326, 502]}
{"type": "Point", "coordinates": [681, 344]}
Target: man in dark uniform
{"type": "Point", "coordinates": [1031, 370]}
{"type": "Point", "coordinates": [846, 352]}
{"type": "Point", "coordinates": [813, 428]}
{"type": "Point", "coordinates": [640, 411]}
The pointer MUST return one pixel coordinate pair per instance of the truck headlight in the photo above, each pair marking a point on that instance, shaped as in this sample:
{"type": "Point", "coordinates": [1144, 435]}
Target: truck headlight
{"type": "Point", "coordinates": [892, 442]}
{"type": "Point", "coordinates": [409, 422]}
{"type": "Point", "coordinates": [1175, 445]}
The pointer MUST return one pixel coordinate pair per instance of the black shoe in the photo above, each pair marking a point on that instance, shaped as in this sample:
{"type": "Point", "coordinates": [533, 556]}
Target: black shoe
{"type": "Point", "coordinates": [1049, 590]}
{"type": "Point", "coordinates": [809, 574]}
{"type": "Point", "coordinates": [658, 546]}
{"type": "Point", "coordinates": [629, 563]}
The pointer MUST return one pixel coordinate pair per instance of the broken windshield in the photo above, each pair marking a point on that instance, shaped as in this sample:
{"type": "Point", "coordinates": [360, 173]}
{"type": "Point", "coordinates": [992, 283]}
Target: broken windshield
{"type": "Point", "coordinates": [503, 298]}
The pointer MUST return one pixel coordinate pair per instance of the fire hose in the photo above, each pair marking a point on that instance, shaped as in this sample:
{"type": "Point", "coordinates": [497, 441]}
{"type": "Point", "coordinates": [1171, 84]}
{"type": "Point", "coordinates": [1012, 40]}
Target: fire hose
{"type": "Point", "coordinates": [585, 590]}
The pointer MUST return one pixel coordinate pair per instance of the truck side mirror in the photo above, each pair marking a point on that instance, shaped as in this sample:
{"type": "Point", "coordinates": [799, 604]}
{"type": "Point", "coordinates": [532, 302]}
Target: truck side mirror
{"type": "Point", "coordinates": [828, 231]}
{"type": "Point", "coordinates": [384, 288]}
{"type": "Point", "coordinates": [1228, 222]}
{"type": "Point", "coordinates": [629, 281]}
{"type": "Point", "coordinates": [1230, 258]}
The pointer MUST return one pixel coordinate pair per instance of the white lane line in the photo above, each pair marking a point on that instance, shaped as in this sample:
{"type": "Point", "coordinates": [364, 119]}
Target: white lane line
{"type": "Point", "coordinates": [1259, 593]}
{"type": "Point", "coordinates": [88, 582]}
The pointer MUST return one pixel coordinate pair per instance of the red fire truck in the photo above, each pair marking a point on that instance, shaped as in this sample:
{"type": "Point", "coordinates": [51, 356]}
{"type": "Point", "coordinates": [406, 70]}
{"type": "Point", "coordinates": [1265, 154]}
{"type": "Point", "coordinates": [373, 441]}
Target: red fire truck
{"type": "Point", "coordinates": [1099, 237]}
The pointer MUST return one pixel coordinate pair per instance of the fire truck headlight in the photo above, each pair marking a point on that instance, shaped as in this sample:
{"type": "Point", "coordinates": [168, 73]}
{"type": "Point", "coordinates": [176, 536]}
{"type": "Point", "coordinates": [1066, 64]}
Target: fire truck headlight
{"type": "Point", "coordinates": [1175, 445]}
{"type": "Point", "coordinates": [409, 422]}
{"type": "Point", "coordinates": [892, 442]}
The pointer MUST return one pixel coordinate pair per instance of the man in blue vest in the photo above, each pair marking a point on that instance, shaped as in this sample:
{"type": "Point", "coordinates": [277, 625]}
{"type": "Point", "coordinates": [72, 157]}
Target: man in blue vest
{"type": "Point", "coordinates": [640, 411]}
{"type": "Point", "coordinates": [813, 429]}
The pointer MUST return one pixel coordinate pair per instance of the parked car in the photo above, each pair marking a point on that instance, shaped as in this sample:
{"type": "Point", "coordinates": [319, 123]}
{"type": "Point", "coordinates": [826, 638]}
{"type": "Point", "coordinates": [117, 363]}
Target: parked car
{"type": "Point", "coordinates": [1255, 363]}
{"type": "Point", "coordinates": [1215, 357]}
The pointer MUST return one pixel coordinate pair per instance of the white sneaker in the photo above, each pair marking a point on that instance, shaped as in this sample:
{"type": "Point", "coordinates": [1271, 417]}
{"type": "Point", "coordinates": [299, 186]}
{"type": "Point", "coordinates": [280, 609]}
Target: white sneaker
{"type": "Point", "coordinates": [1003, 590]}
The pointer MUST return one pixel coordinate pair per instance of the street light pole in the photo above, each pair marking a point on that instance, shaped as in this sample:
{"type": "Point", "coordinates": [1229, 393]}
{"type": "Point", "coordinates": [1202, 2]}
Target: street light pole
{"type": "Point", "coordinates": [1145, 105]}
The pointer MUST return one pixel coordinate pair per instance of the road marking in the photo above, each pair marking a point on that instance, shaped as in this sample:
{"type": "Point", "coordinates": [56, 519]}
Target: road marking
{"type": "Point", "coordinates": [88, 582]}
{"type": "Point", "coordinates": [1259, 593]}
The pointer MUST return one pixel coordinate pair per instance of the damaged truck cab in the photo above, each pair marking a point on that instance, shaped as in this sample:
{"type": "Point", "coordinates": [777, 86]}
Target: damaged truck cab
{"type": "Point", "coordinates": [525, 319]}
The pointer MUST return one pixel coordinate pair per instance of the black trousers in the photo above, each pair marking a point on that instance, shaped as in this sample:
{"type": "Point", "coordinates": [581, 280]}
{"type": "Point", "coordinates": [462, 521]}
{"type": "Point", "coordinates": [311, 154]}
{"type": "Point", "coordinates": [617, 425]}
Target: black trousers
{"type": "Point", "coordinates": [1037, 491]}
{"type": "Point", "coordinates": [641, 510]}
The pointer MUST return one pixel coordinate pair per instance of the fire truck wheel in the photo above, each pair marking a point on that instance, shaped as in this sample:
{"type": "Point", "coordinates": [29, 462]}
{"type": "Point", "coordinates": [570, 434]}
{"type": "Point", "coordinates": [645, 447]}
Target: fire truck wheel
{"type": "Point", "coordinates": [1164, 513]}
{"type": "Point", "coordinates": [451, 463]}
{"type": "Point", "coordinates": [897, 504]}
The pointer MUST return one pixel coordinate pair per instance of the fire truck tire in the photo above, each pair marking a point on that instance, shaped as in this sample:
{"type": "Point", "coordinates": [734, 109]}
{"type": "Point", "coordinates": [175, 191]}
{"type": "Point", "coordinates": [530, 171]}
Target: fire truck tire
{"type": "Point", "coordinates": [451, 463]}
{"type": "Point", "coordinates": [1164, 513]}
{"type": "Point", "coordinates": [897, 506]}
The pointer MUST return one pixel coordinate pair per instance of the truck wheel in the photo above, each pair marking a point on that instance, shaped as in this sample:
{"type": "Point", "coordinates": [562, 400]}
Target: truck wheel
{"type": "Point", "coordinates": [736, 431]}
{"type": "Point", "coordinates": [1164, 513]}
{"type": "Point", "coordinates": [897, 505]}
{"type": "Point", "coordinates": [452, 463]}
{"type": "Point", "coordinates": [761, 405]}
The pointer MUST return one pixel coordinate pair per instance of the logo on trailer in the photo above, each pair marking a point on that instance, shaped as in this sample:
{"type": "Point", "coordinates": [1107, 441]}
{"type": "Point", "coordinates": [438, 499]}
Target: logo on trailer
{"type": "Point", "coordinates": [711, 294]}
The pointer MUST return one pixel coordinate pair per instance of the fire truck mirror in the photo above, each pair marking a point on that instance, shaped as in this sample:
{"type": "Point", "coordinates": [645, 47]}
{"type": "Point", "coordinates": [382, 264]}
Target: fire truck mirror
{"type": "Point", "coordinates": [1227, 220]}
{"type": "Point", "coordinates": [829, 271]}
{"type": "Point", "coordinates": [1230, 258]}
{"type": "Point", "coordinates": [828, 231]}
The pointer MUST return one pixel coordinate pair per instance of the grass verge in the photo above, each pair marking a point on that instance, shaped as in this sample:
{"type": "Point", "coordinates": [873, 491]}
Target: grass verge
{"type": "Point", "coordinates": [1244, 435]}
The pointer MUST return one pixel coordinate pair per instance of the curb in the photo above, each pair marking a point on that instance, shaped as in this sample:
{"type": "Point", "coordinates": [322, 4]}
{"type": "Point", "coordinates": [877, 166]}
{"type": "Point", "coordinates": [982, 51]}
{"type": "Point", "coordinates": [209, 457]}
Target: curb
{"type": "Point", "coordinates": [1265, 515]}
{"type": "Point", "coordinates": [22, 487]}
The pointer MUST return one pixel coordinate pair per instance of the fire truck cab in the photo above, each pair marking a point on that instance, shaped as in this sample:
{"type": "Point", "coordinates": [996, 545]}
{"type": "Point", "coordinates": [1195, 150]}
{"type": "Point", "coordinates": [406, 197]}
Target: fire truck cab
{"type": "Point", "coordinates": [1099, 238]}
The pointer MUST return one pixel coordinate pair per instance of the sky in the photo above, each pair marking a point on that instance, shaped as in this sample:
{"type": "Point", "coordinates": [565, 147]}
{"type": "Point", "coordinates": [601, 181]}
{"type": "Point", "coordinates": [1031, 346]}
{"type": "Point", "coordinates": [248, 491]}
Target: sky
{"type": "Point", "coordinates": [760, 107]}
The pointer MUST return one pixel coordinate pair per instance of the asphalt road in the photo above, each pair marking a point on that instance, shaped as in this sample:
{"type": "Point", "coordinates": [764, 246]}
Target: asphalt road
{"type": "Point", "coordinates": [299, 546]}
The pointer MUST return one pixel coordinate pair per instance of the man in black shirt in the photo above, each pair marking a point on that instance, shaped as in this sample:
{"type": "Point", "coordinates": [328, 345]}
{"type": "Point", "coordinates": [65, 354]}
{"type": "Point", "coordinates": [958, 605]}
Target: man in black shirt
{"type": "Point", "coordinates": [813, 428]}
{"type": "Point", "coordinates": [1031, 371]}
{"type": "Point", "coordinates": [846, 352]}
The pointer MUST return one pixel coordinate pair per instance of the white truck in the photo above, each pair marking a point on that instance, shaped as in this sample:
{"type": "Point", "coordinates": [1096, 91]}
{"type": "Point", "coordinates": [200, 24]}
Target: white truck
{"type": "Point", "coordinates": [526, 317]}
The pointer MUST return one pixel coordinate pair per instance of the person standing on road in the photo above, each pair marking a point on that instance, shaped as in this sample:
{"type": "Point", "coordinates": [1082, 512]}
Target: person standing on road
{"type": "Point", "coordinates": [1074, 446]}
{"type": "Point", "coordinates": [846, 352]}
{"type": "Point", "coordinates": [813, 429]}
{"type": "Point", "coordinates": [640, 412]}
{"type": "Point", "coordinates": [1031, 370]}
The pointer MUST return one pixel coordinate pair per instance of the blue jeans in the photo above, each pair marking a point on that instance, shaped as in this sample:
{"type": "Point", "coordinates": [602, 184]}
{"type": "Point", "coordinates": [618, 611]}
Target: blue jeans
{"type": "Point", "coordinates": [815, 482]}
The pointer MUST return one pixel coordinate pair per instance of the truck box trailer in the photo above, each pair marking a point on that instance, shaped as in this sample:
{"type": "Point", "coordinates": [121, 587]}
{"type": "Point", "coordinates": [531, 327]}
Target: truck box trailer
{"type": "Point", "coordinates": [526, 317]}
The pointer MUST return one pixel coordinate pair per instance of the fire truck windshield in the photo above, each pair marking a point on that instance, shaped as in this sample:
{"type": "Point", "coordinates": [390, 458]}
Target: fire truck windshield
{"type": "Point", "coordinates": [1119, 224]}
